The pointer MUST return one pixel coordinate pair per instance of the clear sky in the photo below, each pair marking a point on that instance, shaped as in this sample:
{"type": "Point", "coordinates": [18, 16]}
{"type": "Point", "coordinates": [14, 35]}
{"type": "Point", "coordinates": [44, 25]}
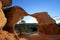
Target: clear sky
{"type": "Point", "coordinates": [33, 6]}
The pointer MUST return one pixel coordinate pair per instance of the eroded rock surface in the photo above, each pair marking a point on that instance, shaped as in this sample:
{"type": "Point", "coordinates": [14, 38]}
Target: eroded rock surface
{"type": "Point", "coordinates": [4, 35]}
{"type": "Point", "coordinates": [45, 23]}
{"type": "Point", "coordinates": [3, 19]}
{"type": "Point", "coordinates": [13, 14]}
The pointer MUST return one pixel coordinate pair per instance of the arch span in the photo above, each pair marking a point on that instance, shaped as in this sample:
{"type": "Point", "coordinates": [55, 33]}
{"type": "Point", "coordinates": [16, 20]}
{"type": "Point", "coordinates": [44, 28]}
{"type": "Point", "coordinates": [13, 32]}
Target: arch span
{"type": "Point", "coordinates": [45, 23]}
{"type": "Point", "coordinates": [28, 25]}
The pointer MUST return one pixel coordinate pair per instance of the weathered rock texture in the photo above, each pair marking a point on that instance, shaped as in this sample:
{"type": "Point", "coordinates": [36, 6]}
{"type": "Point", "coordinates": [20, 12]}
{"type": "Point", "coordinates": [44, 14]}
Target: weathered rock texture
{"type": "Point", "coordinates": [6, 2]}
{"type": "Point", "coordinates": [6, 36]}
{"type": "Point", "coordinates": [3, 19]}
{"type": "Point", "coordinates": [45, 23]}
{"type": "Point", "coordinates": [13, 14]}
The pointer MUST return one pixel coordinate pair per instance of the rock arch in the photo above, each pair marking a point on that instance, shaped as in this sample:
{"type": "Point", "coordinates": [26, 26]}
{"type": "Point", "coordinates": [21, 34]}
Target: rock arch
{"type": "Point", "coordinates": [13, 15]}
{"type": "Point", "coordinates": [31, 17]}
{"type": "Point", "coordinates": [46, 24]}
{"type": "Point", "coordinates": [23, 27]}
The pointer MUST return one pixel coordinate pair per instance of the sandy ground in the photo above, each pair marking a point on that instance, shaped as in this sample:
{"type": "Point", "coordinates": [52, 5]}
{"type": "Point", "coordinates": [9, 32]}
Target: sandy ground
{"type": "Point", "coordinates": [23, 39]}
{"type": "Point", "coordinates": [39, 37]}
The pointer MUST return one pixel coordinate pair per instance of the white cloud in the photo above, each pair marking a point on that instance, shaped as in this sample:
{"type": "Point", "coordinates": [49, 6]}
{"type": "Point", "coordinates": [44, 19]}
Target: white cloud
{"type": "Point", "coordinates": [57, 19]}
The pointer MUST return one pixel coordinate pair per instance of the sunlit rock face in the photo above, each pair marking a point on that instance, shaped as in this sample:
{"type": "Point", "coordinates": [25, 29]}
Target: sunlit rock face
{"type": "Point", "coordinates": [4, 35]}
{"type": "Point", "coordinates": [3, 19]}
{"type": "Point", "coordinates": [6, 2]}
{"type": "Point", "coordinates": [13, 14]}
{"type": "Point", "coordinates": [46, 24]}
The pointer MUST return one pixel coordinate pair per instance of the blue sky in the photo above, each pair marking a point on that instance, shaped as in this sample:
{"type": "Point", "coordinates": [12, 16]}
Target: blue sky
{"type": "Point", "coordinates": [33, 6]}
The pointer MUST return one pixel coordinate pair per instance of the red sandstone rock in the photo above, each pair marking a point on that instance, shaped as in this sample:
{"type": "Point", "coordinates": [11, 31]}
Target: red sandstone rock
{"type": "Point", "coordinates": [3, 34]}
{"type": "Point", "coordinates": [6, 36]}
{"type": "Point", "coordinates": [6, 2]}
{"type": "Point", "coordinates": [45, 23]}
{"type": "Point", "coordinates": [3, 19]}
{"type": "Point", "coordinates": [13, 14]}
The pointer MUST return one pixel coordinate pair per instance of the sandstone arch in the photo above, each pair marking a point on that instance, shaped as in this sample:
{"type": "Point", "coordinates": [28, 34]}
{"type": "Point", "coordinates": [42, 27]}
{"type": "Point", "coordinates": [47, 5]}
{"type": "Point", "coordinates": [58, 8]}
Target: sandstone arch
{"type": "Point", "coordinates": [13, 15]}
{"type": "Point", "coordinates": [45, 23]}
{"type": "Point", "coordinates": [25, 26]}
{"type": "Point", "coordinates": [16, 13]}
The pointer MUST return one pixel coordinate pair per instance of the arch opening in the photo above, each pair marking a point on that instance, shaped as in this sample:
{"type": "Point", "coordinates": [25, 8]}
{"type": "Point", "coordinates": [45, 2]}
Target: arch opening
{"type": "Point", "coordinates": [27, 25]}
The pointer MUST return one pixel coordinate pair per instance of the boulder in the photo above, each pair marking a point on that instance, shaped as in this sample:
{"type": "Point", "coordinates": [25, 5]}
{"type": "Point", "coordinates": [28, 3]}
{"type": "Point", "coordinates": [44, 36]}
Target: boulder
{"type": "Point", "coordinates": [46, 24]}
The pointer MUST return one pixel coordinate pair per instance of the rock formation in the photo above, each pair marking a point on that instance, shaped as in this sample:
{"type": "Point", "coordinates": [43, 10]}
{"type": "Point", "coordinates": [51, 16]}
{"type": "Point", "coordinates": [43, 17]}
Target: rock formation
{"type": "Point", "coordinates": [4, 35]}
{"type": "Point", "coordinates": [3, 19]}
{"type": "Point", "coordinates": [13, 14]}
{"type": "Point", "coordinates": [45, 23]}
{"type": "Point", "coordinates": [10, 16]}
